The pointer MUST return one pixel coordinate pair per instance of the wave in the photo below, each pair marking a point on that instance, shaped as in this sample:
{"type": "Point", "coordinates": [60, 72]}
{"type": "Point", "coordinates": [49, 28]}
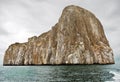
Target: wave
{"type": "Point", "coordinates": [116, 76]}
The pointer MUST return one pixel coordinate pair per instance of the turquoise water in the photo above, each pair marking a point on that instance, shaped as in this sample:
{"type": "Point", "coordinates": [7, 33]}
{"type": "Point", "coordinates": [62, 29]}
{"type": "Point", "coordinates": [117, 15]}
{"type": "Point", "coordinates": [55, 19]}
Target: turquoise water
{"type": "Point", "coordinates": [73, 73]}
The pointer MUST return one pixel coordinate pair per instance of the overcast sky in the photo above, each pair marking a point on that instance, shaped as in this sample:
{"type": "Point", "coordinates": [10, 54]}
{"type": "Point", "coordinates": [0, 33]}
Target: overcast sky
{"type": "Point", "coordinates": [21, 19]}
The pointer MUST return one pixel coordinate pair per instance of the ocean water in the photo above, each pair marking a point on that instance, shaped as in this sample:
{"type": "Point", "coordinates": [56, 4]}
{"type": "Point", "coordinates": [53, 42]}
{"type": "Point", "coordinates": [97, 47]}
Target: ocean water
{"type": "Point", "coordinates": [70, 73]}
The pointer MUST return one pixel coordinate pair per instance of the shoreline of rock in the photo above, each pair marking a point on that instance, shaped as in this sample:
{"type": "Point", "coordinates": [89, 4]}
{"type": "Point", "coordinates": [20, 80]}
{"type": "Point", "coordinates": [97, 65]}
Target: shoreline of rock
{"type": "Point", "coordinates": [56, 64]}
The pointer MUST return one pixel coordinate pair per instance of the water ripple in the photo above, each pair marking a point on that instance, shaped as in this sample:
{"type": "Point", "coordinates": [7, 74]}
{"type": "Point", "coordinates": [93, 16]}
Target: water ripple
{"type": "Point", "coordinates": [76, 73]}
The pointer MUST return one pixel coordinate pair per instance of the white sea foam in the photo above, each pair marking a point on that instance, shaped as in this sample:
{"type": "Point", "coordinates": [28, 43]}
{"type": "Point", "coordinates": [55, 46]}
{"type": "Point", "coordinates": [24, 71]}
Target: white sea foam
{"type": "Point", "coordinates": [116, 76]}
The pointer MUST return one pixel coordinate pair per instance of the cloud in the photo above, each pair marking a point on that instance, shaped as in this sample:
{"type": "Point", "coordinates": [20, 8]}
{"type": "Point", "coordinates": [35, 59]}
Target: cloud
{"type": "Point", "coordinates": [3, 32]}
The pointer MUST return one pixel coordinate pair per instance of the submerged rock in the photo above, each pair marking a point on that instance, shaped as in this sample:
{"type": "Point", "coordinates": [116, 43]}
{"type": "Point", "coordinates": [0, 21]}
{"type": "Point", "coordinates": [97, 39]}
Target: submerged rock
{"type": "Point", "coordinates": [77, 38]}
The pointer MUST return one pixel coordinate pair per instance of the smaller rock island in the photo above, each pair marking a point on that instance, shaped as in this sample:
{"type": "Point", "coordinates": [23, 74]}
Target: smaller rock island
{"type": "Point", "coordinates": [77, 38]}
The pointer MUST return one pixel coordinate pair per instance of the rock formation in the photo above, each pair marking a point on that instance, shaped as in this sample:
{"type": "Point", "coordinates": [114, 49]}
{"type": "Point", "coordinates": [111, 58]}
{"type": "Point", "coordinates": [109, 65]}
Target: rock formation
{"type": "Point", "coordinates": [77, 38]}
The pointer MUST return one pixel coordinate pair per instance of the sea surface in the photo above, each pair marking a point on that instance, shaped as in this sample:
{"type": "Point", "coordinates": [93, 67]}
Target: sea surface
{"type": "Point", "coordinates": [63, 73]}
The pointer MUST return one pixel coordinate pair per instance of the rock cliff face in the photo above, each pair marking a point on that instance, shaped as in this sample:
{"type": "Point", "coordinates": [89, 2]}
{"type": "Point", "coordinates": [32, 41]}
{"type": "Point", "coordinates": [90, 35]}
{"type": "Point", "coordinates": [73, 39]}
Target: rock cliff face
{"type": "Point", "coordinates": [77, 38]}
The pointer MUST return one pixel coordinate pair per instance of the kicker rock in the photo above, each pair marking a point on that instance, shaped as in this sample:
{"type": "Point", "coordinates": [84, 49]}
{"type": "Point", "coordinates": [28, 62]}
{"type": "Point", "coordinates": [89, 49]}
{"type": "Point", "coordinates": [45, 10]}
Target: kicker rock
{"type": "Point", "coordinates": [77, 38]}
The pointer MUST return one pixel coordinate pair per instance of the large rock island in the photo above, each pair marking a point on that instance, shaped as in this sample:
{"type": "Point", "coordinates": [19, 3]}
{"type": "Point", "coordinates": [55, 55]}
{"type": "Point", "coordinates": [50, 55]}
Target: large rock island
{"type": "Point", "coordinates": [77, 38]}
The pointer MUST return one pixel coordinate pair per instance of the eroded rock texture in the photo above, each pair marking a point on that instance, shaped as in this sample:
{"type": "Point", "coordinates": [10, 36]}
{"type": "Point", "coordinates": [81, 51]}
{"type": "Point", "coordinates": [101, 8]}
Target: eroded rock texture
{"type": "Point", "coordinates": [77, 38]}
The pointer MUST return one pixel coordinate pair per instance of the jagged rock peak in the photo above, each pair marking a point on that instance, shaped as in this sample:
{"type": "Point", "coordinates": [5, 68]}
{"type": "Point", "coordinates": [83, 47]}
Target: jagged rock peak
{"type": "Point", "coordinates": [77, 38]}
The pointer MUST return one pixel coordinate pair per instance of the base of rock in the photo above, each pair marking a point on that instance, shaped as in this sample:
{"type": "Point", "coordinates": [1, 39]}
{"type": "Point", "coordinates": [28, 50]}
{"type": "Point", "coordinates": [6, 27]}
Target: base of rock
{"type": "Point", "coordinates": [56, 64]}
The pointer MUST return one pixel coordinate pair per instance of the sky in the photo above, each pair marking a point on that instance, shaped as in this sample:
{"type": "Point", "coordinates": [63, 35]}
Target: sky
{"type": "Point", "coordinates": [21, 19]}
